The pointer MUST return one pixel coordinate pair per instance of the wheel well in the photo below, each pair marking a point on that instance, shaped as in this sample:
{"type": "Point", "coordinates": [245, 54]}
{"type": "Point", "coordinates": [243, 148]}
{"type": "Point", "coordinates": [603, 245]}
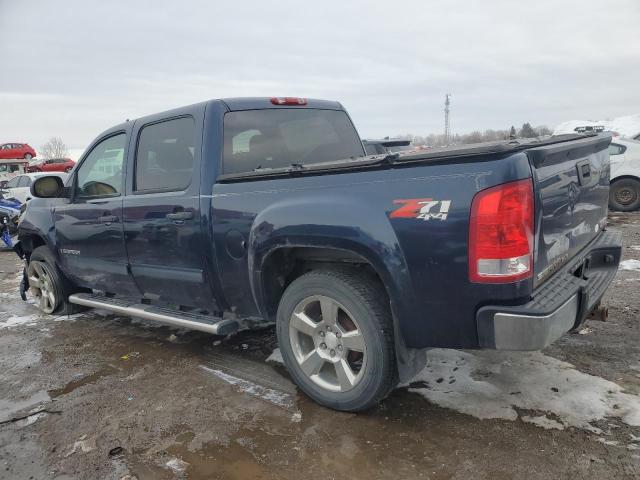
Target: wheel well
{"type": "Point", "coordinates": [284, 265]}
{"type": "Point", "coordinates": [625, 177]}
{"type": "Point", "coordinates": [30, 243]}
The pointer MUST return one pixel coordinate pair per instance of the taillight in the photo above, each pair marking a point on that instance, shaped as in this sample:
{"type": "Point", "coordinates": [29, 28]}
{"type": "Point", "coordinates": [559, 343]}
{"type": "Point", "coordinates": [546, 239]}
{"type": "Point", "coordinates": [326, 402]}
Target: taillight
{"type": "Point", "coordinates": [288, 101]}
{"type": "Point", "coordinates": [501, 233]}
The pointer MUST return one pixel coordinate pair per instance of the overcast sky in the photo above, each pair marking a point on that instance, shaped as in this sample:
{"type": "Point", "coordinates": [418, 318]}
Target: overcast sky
{"type": "Point", "coordinates": [73, 68]}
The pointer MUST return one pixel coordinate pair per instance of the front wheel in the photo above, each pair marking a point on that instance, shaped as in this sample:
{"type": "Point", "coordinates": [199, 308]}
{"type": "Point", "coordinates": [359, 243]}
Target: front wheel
{"type": "Point", "coordinates": [624, 195]}
{"type": "Point", "coordinates": [336, 337]}
{"type": "Point", "coordinates": [47, 285]}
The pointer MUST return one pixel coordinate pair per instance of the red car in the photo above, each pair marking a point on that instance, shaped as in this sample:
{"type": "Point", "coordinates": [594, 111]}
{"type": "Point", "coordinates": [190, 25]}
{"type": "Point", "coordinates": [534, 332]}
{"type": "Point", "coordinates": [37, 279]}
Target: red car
{"type": "Point", "coordinates": [17, 150]}
{"type": "Point", "coordinates": [53, 165]}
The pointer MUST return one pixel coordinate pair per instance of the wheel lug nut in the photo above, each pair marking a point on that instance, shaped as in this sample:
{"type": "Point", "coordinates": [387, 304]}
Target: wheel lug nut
{"type": "Point", "coordinates": [323, 346]}
{"type": "Point", "coordinates": [332, 353]}
{"type": "Point", "coordinates": [339, 348]}
{"type": "Point", "coordinates": [322, 334]}
{"type": "Point", "coordinates": [328, 328]}
{"type": "Point", "coordinates": [338, 334]}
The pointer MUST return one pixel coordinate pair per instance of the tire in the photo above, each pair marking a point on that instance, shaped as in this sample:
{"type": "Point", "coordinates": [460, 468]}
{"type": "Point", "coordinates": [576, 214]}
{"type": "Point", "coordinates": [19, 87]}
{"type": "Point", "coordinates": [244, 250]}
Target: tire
{"type": "Point", "coordinates": [28, 156]}
{"type": "Point", "coordinates": [349, 363]}
{"type": "Point", "coordinates": [44, 276]}
{"type": "Point", "coordinates": [624, 195]}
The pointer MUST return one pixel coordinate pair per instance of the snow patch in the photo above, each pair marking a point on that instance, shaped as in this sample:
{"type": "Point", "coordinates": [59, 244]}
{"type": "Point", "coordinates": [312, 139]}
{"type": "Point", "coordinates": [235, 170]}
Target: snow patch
{"type": "Point", "coordinates": [493, 384]}
{"type": "Point", "coordinates": [177, 465]}
{"type": "Point", "coordinates": [270, 395]}
{"type": "Point", "coordinates": [275, 357]}
{"type": "Point", "coordinates": [626, 126]}
{"type": "Point", "coordinates": [543, 421]}
{"type": "Point", "coordinates": [630, 265]}
{"type": "Point", "coordinates": [15, 320]}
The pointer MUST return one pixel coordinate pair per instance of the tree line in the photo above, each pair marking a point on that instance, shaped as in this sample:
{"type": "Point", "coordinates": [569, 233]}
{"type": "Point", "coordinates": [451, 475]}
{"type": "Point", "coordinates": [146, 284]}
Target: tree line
{"type": "Point", "coordinates": [477, 136]}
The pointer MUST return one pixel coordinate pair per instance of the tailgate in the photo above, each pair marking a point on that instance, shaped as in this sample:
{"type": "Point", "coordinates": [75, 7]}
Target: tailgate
{"type": "Point", "coordinates": [571, 180]}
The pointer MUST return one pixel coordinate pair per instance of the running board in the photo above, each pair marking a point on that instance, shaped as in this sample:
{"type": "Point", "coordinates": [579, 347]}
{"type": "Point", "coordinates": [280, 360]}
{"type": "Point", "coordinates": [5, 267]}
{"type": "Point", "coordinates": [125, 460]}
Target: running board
{"type": "Point", "coordinates": [193, 321]}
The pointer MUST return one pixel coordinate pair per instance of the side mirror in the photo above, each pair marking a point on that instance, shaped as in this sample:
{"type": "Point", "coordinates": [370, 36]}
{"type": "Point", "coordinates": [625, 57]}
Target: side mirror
{"type": "Point", "coordinates": [48, 187]}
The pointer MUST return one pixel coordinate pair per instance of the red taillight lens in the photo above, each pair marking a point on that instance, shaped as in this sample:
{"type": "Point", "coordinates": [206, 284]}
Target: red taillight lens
{"type": "Point", "coordinates": [501, 233]}
{"type": "Point", "coordinates": [288, 101]}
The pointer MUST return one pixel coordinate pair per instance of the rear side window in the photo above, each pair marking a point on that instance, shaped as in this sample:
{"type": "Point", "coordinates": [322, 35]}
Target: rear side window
{"type": "Point", "coordinates": [615, 149]}
{"type": "Point", "coordinates": [164, 160]}
{"type": "Point", "coordinates": [277, 138]}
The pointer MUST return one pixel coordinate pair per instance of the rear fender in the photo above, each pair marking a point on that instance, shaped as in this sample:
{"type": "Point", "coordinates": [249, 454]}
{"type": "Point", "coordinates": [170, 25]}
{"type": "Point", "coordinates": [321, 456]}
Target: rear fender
{"type": "Point", "coordinates": [340, 223]}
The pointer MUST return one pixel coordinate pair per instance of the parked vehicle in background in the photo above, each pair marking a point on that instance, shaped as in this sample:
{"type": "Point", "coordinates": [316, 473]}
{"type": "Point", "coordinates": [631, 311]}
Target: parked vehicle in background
{"type": "Point", "coordinates": [11, 168]}
{"type": "Point", "coordinates": [20, 187]}
{"type": "Point", "coordinates": [17, 150]}
{"type": "Point", "coordinates": [243, 211]}
{"type": "Point", "coordinates": [381, 147]}
{"type": "Point", "coordinates": [53, 165]}
{"type": "Point", "coordinates": [624, 194]}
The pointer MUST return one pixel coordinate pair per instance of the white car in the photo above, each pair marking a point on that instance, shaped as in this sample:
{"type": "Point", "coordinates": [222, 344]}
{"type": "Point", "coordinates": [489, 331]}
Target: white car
{"type": "Point", "coordinates": [19, 187]}
{"type": "Point", "coordinates": [624, 194]}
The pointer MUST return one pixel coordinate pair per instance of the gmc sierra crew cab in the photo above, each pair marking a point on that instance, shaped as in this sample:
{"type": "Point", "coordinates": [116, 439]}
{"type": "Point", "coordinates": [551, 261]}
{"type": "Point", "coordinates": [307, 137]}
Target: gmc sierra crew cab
{"type": "Point", "coordinates": [237, 212]}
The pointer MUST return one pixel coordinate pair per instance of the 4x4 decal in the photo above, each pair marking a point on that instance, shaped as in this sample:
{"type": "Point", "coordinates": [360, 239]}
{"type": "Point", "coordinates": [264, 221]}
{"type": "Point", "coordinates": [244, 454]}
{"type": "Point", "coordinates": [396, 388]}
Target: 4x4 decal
{"type": "Point", "coordinates": [422, 208]}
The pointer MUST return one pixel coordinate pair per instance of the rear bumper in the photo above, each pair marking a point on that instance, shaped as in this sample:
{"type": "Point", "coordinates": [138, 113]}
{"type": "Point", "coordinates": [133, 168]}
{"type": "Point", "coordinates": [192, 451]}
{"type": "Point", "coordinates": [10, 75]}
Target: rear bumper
{"type": "Point", "coordinates": [561, 304]}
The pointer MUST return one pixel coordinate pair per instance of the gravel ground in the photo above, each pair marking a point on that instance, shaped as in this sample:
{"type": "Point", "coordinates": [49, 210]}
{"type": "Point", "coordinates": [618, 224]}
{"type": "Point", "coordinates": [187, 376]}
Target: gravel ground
{"type": "Point", "coordinates": [95, 396]}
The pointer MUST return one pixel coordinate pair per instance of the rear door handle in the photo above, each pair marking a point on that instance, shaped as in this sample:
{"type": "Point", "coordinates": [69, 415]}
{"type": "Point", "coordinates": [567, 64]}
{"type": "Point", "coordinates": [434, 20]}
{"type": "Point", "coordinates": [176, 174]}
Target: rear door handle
{"type": "Point", "coordinates": [108, 219]}
{"type": "Point", "coordinates": [180, 216]}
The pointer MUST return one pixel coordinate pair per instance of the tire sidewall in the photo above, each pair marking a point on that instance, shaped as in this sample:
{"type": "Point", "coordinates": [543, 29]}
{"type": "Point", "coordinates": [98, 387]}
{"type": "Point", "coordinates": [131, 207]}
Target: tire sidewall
{"type": "Point", "coordinates": [628, 182]}
{"type": "Point", "coordinates": [377, 352]}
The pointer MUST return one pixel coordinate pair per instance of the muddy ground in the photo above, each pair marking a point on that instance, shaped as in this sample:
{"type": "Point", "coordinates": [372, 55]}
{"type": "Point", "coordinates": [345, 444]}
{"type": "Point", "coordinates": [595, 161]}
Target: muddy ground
{"type": "Point", "coordinates": [97, 396]}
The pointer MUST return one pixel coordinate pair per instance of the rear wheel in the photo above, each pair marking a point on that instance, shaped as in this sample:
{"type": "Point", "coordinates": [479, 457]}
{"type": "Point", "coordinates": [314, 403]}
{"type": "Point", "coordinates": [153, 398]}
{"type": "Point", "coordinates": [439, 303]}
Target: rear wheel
{"type": "Point", "coordinates": [47, 285]}
{"type": "Point", "coordinates": [336, 338]}
{"type": "Point", "coordinates": [624, 195]}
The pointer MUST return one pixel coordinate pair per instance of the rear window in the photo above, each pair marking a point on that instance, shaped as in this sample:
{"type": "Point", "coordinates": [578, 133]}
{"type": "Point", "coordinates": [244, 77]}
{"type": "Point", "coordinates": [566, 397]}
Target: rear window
{"type": "Point", "coordinates": [277, 138]}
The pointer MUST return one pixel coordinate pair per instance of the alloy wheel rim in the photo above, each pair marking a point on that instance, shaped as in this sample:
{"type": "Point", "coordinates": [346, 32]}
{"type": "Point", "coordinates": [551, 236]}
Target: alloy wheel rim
{"type": "Point", "coordinates": [41, 284]}
{"type": "Point", "coordinates": [625, 196]}
{"type": "Point", "coordinates": [327, 343]}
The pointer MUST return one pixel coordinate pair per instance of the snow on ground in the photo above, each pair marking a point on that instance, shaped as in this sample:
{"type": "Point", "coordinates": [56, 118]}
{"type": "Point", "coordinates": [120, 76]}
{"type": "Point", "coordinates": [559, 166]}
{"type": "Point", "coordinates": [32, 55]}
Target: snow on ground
{"type": "Point", "coordinates": [627, 126]}
{"type": "Point", "coordinates": [270, 395]}
{"type": "Point", "coordinates": [630, 265]}
{"type": "Point", "coordinates": [493, 384]}
{"type": "Point", "coordinates": [9, 320]}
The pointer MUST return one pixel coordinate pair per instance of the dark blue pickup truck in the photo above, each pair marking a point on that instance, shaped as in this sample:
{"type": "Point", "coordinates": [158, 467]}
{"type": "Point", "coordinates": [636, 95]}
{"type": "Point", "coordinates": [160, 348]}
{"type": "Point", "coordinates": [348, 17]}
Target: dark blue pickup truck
{"type": "Point", "coordinates": [237, 212]}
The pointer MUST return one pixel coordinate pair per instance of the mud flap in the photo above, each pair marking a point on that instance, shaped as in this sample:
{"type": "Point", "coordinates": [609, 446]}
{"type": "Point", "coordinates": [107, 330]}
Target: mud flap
{"type": "Point", "coordinates": [24, 284]}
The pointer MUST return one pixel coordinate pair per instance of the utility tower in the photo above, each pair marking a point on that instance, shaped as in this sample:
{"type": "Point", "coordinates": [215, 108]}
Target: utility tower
{"type": "Point", "coordinates": [447, 126]}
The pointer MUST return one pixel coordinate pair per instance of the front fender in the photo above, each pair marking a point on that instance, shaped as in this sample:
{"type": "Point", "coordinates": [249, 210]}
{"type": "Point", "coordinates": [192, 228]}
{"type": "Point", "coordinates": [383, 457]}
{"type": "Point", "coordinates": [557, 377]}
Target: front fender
{"type": "Point", "coordinates": [339, 222]}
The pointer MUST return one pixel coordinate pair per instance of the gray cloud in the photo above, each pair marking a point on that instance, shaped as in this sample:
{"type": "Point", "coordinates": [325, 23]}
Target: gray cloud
{"type": "Point", "coordinates": [76, 67]}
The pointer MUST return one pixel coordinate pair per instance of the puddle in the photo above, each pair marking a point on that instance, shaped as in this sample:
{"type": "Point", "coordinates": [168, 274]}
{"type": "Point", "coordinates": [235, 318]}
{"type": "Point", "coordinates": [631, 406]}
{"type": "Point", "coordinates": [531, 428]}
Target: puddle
{"type": "Point", "coordinates": [71, 386]}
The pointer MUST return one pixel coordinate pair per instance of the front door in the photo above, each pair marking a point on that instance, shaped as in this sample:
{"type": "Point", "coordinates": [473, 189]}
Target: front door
{"type": "Point", "coordinates": [89, 231]}
{"type": "Point", "coordinates": [161, 213]}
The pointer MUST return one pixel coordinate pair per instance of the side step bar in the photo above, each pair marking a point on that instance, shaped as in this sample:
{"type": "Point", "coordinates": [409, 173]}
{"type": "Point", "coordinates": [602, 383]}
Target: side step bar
{"type": "Point", "coordinates": [193, 321]}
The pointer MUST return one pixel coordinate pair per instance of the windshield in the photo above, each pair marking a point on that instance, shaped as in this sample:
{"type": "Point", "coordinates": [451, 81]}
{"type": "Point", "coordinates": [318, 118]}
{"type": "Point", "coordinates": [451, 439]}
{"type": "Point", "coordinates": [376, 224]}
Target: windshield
{"type": "Point", "coordinates": [399, 148]}
{"type": "Point", "coordinates": [279, 138]}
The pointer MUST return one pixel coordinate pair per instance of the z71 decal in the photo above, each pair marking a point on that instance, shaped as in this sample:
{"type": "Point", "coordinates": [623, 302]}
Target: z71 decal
{"type": "Point", "coordinates": [422, 208]}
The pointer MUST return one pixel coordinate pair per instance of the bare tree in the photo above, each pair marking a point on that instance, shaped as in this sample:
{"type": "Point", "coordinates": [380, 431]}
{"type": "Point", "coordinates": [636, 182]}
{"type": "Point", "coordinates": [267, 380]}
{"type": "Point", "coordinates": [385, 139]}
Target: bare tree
{"type": "Point", "coordinates": [54, 148]}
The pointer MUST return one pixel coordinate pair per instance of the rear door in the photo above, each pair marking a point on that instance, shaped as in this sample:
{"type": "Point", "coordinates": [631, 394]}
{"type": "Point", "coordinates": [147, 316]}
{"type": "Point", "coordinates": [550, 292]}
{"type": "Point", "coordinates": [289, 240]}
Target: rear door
{"type": "Point", "coordinates": [572, 183]}
{"type": "Point", "coordinates": [89, 232]}
{"type": "Point", "coordinates": [163, 234]}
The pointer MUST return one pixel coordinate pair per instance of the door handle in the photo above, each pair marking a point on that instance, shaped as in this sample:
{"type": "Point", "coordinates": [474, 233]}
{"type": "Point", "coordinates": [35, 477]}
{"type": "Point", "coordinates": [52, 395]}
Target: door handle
{"type": "Point", "coordinates": [108, 219]}
{"type": "Point", "coordinates": [180, 216]}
